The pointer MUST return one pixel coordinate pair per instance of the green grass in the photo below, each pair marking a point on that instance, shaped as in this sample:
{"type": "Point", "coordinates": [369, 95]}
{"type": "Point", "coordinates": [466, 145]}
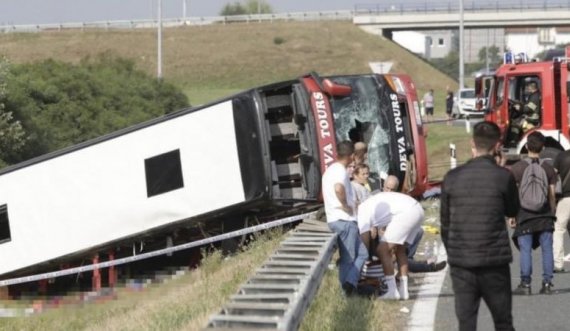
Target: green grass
{"type": "Point", "coordinates": [330, 310]}
{"type": "Point", "coordinates": [200, 97]}
{"type": "Point", "coordinates": [439, 137]}
{"type": "Point", "coordinates": [208, 61]}
{"type": "Point", "coordinates": [182, 304]}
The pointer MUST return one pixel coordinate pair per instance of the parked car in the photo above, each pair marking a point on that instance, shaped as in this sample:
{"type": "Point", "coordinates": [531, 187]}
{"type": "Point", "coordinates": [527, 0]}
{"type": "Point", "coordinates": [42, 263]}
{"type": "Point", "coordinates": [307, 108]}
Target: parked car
{"type": "Point", "coordinates": [464, 104]}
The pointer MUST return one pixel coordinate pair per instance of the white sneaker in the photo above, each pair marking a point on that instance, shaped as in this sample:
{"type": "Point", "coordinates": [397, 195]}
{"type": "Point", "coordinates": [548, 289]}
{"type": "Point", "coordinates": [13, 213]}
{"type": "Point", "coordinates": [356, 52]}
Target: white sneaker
{"type": "Point", "coordinates": [403, 288]}
{"type": "Point", "coordinates": [392, 293]}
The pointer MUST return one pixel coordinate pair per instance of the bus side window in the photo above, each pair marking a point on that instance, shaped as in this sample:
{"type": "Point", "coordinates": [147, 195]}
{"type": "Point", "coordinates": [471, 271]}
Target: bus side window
{"type": "Point", "coordinates": [500, 91]}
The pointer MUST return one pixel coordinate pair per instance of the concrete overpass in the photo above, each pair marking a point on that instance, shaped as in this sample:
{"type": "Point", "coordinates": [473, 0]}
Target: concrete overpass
{"type": "Point", "coordinates": [388, 18]}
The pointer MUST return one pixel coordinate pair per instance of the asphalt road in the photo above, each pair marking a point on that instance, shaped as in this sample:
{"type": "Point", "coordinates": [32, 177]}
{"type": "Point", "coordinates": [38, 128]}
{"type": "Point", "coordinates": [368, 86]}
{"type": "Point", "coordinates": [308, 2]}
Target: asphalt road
{"type": "Point", "coordinates": [534, 312]}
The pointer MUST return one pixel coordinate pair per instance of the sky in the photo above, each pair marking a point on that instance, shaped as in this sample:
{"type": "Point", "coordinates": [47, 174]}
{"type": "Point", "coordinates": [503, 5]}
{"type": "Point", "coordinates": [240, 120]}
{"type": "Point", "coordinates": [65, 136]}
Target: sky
{"type": "Point", "coordinates": [71, 11]}
{"type": "Point", "coordinates": [67, 11]}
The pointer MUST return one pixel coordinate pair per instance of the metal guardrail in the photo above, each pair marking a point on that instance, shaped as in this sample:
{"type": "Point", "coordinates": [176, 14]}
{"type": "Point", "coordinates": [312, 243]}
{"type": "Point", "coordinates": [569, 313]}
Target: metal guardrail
{"type": "Point", "coordinates": [342, 15]}
{"type": "Point", "coordinates": [280, 292]}
{"type": "Point", "coordinates": [159, 252]}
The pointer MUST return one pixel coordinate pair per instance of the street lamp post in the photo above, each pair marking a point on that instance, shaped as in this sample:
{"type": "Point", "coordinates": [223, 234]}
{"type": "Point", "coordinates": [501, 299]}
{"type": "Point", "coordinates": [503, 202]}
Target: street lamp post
{"type": "Point", "coordinates": [461, 41]}
{"type": "Point", "coordinates": [159, 51]}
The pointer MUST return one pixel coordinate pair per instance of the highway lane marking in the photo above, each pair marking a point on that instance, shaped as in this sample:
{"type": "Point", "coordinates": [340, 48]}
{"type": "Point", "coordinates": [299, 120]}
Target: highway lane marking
{"type": "Point", "coordinates": [425, 305]}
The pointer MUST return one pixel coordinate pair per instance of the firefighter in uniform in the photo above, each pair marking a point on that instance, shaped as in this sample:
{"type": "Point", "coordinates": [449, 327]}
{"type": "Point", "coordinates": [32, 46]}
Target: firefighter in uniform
{"type": "Point", "coordinates": [529, 116]}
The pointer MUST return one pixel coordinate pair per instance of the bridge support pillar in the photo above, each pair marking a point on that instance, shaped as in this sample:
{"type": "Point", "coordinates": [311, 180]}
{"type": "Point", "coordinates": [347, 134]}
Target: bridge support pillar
{"type": "Point", "coordinates": [387, 34]}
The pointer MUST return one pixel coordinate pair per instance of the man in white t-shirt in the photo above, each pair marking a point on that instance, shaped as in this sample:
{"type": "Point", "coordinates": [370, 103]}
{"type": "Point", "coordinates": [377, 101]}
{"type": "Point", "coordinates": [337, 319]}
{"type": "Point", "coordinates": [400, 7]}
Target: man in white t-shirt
{"type": "Point", "coordinates": [340, 208]}
{"type": "Point", "coordinates": [401, 216]}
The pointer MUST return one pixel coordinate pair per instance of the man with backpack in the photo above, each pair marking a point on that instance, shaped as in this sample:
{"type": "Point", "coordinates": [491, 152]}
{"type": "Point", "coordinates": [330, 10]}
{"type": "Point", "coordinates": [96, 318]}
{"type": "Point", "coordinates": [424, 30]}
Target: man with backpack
{"type": "Point", "coordinates": [535, 221]}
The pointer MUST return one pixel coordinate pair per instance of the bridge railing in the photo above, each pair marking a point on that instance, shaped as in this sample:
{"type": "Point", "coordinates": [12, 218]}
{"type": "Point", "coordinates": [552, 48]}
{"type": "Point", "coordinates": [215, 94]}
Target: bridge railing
{"type": "Point", "coordinates": [453, 6]}
{"type": "Point", "coordinates": [338, 15]}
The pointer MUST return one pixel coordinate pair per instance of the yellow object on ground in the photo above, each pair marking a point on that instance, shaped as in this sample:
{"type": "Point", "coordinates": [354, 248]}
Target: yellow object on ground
{"type": "Point", "coordinates": [430, 229]}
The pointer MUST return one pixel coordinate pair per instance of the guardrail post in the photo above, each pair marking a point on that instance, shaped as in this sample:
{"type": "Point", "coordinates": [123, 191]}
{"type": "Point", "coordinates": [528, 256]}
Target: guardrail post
{"type": "Point", "coordinates": [96, 279]}
{"type": "Point", "coordinates": [4, 293]}
{"type": "Point", "coordinates": [112, 273]}
{"type": "Point", "coordinates": [42, 286]}
{"type": "Point", "coordinates": [453, 156]}
{"type": "Point", "coordinates": [467, 125]}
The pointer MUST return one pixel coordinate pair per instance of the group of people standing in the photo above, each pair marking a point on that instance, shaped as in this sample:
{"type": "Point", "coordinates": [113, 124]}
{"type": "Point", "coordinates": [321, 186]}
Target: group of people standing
{"type": "Point", "coordinates": [428, 102]}
{"type": "Point", "coordinates": [371, 222]}
{"type": "Point", "coordinates": [480, 201]}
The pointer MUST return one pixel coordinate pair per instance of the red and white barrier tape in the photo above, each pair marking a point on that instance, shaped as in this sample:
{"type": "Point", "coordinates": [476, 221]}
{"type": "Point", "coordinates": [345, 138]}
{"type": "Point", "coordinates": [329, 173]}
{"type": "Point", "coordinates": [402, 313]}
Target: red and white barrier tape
{"type": "Point", "coordinates": [163, 251]}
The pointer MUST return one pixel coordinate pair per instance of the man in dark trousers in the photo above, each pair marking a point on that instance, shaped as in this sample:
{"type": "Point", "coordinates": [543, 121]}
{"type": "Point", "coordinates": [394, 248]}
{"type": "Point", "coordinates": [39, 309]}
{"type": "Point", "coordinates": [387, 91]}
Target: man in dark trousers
{"type": "Point", "coordinates": [475, 200]}
{"type": "Point", "coordinates": [448, 104]}
{"type": "Point", "coordinates": [535, 220]}
{"type": "Point", "coordinates": [562, 165]}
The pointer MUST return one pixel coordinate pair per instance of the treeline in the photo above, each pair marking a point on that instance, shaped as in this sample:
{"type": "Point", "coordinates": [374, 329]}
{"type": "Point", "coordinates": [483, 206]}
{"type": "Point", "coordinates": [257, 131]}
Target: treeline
{"type": "Point", "coordinates": [247, 8]}
{"type": "Point", "coordinates": [49, 105]}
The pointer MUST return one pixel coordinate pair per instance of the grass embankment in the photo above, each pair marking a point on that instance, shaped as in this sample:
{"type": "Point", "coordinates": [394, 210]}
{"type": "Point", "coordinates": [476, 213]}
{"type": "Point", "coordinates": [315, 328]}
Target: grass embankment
{"type": "Point", "coordinates": [182, 304]}
{"type": "Point", "coordinates": [439, 137]}
{"type": "Point", "coordinates": [330, 310]}
{"type": "Point", "coordinates": [213, 61]}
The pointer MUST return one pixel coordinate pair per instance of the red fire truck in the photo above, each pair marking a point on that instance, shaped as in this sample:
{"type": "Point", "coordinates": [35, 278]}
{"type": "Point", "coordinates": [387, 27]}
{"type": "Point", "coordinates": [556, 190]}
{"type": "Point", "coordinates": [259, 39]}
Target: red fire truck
{"type": "Point", "coordinates": [503, 92]}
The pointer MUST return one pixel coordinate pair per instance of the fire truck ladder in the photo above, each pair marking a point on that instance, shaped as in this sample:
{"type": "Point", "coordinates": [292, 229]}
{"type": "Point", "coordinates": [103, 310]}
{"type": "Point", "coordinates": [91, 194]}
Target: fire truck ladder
{"type": "Point", "coordinates": [276, 297]}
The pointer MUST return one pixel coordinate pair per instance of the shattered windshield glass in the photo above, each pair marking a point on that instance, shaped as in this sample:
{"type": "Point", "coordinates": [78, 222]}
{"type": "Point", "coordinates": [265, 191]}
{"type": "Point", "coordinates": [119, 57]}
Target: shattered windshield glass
{"type": "Point", "coordinates": [360, 117]}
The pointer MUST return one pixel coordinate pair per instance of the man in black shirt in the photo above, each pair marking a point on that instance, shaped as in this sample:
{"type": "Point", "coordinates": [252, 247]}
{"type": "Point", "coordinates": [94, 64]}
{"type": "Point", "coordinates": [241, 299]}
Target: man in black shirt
{"type": "Point", "coordinates": [534, 227]}
{"type": "Point", "coordinates": [475, 200]}
{"type": "Point", "coordinates": [562, 165]}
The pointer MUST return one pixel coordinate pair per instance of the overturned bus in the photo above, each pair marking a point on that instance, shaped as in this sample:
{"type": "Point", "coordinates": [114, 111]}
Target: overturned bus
{"type": "Point", "coordinates": [260, 151]}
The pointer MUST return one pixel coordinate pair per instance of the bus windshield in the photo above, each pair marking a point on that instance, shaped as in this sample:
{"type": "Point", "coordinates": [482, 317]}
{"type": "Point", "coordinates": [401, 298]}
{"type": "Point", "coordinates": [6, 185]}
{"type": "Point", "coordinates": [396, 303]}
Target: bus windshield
{"type": "Point", "coordinates": [363, 116]}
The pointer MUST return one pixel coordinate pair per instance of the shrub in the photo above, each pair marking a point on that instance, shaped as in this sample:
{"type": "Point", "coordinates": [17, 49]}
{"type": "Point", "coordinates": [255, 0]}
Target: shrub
{"type": "Point", "coordinates": [61, 104]}
{"type": "Point", "coordinates": [278, 40]}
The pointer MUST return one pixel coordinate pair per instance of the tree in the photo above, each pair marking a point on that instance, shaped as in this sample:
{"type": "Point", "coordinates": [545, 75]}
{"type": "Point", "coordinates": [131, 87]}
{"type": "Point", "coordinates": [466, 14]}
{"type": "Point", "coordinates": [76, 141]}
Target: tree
{"type": "Point", "coordinates": [12, 135]}
{"type": "Point", "coordinates": [235, 8]}
{"type": "Point", "coordinates": [492, 52]}
{"type": "Point", "coordinates": [250, 7]}
{"type": "Point", "coordinates": [258, 7]}
{"type": "Point", "coordinates": [449, 64]}
{"type": "Point", "coordinates": [61, 104]}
